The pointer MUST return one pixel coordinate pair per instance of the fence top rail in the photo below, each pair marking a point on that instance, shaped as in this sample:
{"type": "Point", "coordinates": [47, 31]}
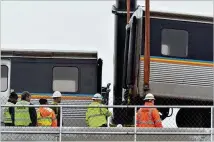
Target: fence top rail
{"type": "Point", "coordinates": [111, 106]}
{"type": "Point", "coordinates": [89, 129]}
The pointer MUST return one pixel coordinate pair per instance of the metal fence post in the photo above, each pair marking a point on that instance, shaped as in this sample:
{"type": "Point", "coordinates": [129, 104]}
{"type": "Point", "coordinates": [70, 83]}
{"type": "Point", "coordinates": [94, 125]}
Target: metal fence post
{"type": "Point", "coordinates": [211, 124]}
{"type": "Point", "coordinates": [0, 123]}
{"type": "Point", "coordinates": [135, 123]}
{"type": "Point", "coordinates": [60, 128]}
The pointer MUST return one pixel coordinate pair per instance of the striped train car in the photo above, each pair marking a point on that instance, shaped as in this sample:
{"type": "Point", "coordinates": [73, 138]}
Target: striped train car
{"type": "Point", "coordinates": [181, 55]}
{"type": "Point", "coordinates": [43, 72]}
{"type": "Point", "coordinates": [181, 64]}
{"type": "Point", "coordinates": [76, 74]}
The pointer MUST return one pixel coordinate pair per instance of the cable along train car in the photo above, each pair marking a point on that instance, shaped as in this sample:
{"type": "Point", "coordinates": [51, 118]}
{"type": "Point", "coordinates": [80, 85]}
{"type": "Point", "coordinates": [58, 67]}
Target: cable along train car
{"type": "Point", "coordinates": [181, 63]}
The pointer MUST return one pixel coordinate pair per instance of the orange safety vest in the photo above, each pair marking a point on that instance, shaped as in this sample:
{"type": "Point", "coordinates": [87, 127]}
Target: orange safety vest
{"type": "Point", "coordinates": [148, 117]}
{"type": "Point", "coordinates": [46, 117]}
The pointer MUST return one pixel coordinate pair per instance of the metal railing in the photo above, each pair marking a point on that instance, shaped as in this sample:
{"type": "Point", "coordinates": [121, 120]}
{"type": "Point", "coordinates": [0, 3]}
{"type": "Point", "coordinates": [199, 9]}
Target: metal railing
{"type": "Point", "coordinates": [135, 131]}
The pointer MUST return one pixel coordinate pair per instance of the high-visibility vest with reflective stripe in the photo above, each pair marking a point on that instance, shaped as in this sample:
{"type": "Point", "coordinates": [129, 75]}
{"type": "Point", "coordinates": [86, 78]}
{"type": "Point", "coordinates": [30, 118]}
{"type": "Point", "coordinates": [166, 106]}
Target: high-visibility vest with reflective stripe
{"type": "Point", "coordinates": [44, 121]}
{"type": "Point", "coordinates": [22, 115]}
{"type": "Point", "coordinates": [96, 117]}
{"type": "Point", "coordinates": [7, 116]}
{"type": "Point", "coordinates": [145, 119]}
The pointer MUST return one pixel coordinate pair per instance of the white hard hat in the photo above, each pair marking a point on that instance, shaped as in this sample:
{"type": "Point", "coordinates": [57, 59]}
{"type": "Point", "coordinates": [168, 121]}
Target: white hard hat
{"type": "Point", "coordinates": [119, 125]}
{"type": "Point", "coordinates": [57, 94]}
{"type": "Point", "coordinates": [97, 96]}
{"type": "Point", "coordinates": [149, 96]}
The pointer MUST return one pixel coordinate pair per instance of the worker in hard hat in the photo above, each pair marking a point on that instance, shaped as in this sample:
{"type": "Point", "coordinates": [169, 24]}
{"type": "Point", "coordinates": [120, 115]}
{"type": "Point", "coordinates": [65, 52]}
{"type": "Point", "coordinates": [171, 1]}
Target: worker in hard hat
{"type": "Point", "coordinates": [25, 116]}
{"type": "Point", "coordinates": [9, 111]}
{"type": "Point", "coordinates": [96, 117]}
{"type": "Point", "coordinates": [46, 116]}
{"type": "Point", "coordinates": [149, 117]}
{"type": "Point", "coordinates": [57, 100]}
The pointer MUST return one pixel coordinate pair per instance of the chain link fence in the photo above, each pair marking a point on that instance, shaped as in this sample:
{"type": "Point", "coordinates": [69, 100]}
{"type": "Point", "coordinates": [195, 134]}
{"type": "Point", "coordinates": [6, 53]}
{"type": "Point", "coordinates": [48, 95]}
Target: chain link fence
{"type": "Point", "coordinates": [74, 128]}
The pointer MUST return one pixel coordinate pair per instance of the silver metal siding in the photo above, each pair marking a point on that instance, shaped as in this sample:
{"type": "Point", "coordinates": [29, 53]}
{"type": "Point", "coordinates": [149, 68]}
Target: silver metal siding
{"type": "Point", "coordinates": [177, 74]}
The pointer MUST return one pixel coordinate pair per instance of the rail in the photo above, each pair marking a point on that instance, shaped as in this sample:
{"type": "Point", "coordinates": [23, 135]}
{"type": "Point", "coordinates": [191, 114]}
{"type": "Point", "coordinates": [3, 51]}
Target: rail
{"type": "Point", "coordinates": [136, 132]}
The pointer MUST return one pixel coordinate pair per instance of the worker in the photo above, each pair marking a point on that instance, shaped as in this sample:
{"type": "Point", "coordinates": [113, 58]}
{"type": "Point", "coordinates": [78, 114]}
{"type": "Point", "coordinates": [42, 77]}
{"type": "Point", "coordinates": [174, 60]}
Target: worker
{"type": "Point", "coordinates": [9, 111]}
{"type": "Point", "coordinates": [57, 100]}
{"type": "Point", "coordinates": [25, 116]}
{"type": "Point", "coordinates": [148, 117]}
{"type": "Point", "coordinates": [96, 117]}
{"type": "Point", "coordinates": [46, 116]}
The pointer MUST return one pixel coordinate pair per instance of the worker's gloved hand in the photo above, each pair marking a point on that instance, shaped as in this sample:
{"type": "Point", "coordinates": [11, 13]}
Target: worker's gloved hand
{"type": "Point", "coordinates": [164, 112]}
{"type": "Point", "coordinates": [108, 90]}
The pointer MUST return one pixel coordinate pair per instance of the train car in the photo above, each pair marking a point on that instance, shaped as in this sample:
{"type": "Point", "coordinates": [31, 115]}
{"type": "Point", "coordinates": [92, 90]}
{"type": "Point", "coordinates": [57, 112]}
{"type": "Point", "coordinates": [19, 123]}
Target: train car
{"type": "Point", "coordinates": [76, 74]}
{"type": "Point", "coordinates": [43, 72]}
{"type": "Point", "coordinates": [181, 56]}
{"type": "Point", "coordinates": [181, 62]}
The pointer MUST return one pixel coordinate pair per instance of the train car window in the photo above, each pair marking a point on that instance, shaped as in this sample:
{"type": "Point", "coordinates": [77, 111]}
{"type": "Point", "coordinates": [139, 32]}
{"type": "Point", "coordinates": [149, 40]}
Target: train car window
{"type": "Point", "coordinates": [65, 79]}
{"type": "Point", "coordinates": [4, 78]}
{"type": "Point", "coordinates": [174, 43]}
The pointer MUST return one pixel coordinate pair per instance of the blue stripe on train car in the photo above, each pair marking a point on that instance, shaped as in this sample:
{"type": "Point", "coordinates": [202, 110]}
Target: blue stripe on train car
{"type": "Point", "coordinates": [170, 58]}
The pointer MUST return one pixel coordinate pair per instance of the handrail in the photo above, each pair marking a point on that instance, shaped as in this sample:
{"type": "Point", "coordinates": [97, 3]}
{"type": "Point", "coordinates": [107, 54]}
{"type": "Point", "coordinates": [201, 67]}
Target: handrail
{"type": "Point", "coordinates": [111, 106]}
{"type": "Point", "coordinates": [110, 130]}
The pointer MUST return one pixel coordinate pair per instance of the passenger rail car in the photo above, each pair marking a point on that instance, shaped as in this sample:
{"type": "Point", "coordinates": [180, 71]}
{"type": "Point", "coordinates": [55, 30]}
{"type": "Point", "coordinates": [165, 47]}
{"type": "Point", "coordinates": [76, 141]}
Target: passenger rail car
{"type": "Point", "coordinates": [181, 52]}
{"type": "Point", "coordinates": [74, 74]}
{"type": "Point", "coordinates": [181, 63]}
{"type": "Point", "coordinates": [181, 69]}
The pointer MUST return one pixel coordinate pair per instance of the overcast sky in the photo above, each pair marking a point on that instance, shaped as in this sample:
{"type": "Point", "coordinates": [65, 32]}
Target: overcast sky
{"type": "Point", "coordinates": [87, 25]}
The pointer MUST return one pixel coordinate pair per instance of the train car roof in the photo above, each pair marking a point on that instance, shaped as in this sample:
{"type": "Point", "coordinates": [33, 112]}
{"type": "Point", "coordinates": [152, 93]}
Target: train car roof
{"type": "Point", "coordinates": [48, 53]}
{"type": "Point", "coordinates": [47, 50]}
{"type": "Point", "coordinates": [158, 14]}
{"type": "Point", "coordinates": [181, 16]}
{"type": "Point", "coordinates": [140, 11]}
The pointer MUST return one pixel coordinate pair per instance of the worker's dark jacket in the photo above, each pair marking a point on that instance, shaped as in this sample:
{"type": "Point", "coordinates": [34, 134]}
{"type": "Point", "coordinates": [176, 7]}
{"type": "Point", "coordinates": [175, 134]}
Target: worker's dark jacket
{"type": "Point", "coordinates": [57, 112]}
{"type": "Point", "coordinates": [33, 116]}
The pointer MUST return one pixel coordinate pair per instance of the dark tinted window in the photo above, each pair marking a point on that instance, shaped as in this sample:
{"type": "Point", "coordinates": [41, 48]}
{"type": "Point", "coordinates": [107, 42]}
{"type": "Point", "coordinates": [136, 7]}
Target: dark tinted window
{"type": "Point", "coordinates": [4, 78]}
{"type": "Point", "coordinates": [174, 43]}
{"type": "Point", "coordinates": [65, 79]}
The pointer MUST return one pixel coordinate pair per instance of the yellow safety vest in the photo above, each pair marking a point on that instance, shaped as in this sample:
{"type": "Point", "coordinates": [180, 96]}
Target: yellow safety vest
{"type": "Point", "coordinates": [7, 116]}
{"type": "Point", "coordinates": [22, 115]}
{"type": "Point", "coordinates": [44, 121]}
{"type": "Point", "coordinates": [96, 117]}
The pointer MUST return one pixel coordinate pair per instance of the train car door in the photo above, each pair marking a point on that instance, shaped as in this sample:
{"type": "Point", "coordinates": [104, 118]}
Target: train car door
{"type": "Point", "coordinates": [5, 80]}
{"type": "Point", "coordinates": [5, 83]}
